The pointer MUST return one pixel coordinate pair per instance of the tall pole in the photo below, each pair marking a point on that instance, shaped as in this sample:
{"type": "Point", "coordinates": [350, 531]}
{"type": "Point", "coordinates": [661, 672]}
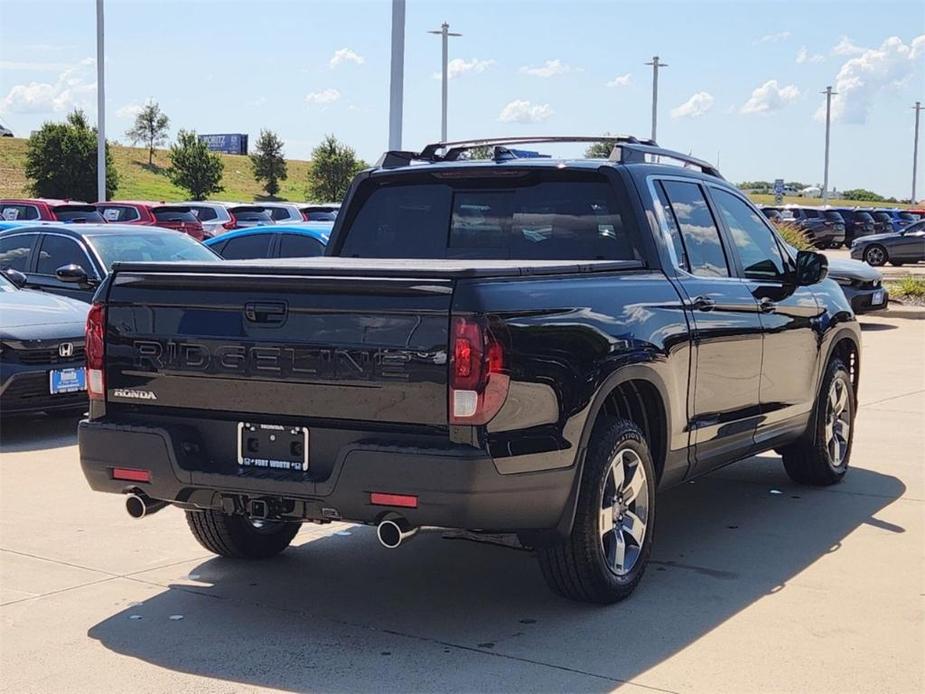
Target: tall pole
{"type": "Point", "coordinates": [100, 108]}
{"type": "Point", "coordinates": [655, 66]}
{"type": "Point", "coordinates": [397, 76]}
{"type": "Point", "coordinates": [828, 126]}
{"type": "Point", "coordinates": [445, 33]}
{"type": "Point", "coordinates": [915, 149]}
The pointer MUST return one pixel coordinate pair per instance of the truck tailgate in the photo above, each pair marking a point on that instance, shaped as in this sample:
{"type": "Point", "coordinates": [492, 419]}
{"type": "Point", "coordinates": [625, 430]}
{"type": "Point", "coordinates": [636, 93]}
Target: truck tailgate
{"type": "Point", "coordinates": [326, 347]}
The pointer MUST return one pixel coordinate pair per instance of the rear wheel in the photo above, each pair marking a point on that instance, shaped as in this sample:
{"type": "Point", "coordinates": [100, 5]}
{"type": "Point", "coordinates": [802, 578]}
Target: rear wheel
{"type": "Point", "coordinates": [821, 457]}
{"type": "Point", "coordinates": [240, 537]}
{"type": "Point", "coordinates": [606, 554]}
{"type": "Point", "coordinates": [875, 255]}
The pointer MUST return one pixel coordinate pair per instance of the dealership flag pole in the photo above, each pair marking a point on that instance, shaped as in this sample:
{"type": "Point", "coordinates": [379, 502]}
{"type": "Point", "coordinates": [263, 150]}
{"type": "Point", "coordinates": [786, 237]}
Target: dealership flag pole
{"type": "Point", "coordinates": [397, 77]}
{"type": "Point", "coordinates": [828, 123]}
{"type": "Point", "coordinates": [100, 108]}
{"type": "Point", "coordinates": [915, 149]}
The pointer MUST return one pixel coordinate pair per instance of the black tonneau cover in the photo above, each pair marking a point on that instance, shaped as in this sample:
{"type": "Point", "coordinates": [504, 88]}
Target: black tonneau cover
{"type": "Point", "coordinates": [384, 267]}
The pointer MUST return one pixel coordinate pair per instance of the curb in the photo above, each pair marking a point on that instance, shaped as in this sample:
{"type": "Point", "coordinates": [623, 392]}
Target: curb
{"type": "Point", "coordinates": [898, 310]}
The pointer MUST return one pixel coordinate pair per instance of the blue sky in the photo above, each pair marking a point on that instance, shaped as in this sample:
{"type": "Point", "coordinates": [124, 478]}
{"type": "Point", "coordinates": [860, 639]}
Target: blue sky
{"type": "Point", "coordinates": [742, 84]}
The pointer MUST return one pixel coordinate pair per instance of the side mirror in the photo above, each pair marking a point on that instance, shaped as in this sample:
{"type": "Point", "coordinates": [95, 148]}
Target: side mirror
{"type": "Point", "coordinates": [15, 276]}
{"type": "Point", "coordinates": [812, 268]}
{"type": "Point", "coordinates": [73, 274]}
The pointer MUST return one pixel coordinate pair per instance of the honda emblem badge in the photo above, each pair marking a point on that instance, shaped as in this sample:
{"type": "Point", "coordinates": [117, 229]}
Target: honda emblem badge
{"type": "Point", "coordinates": [66, 349]}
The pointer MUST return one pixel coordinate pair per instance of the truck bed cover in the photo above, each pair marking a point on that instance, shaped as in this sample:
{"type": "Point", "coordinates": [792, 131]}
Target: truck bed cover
{"type": "Point", "coordinates": [384, 267]}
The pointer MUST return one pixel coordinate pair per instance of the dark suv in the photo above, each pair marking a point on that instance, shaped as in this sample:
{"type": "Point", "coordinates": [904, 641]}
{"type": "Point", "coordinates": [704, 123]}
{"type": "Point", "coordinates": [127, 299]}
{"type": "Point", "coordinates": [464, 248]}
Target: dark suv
{"type": "Point", "coordinates": [858, 222]}
{"type": "Point", "coordinates": [533, 346]}
{"type": "Point", "coordinates": [824, 228]}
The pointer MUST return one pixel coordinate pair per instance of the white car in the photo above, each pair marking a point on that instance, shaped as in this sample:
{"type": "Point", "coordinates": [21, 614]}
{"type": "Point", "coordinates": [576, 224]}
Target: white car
{"type": "Point", "coordinates": [213, 216]}
{"type": "Point", "coordinates": [283, 212]}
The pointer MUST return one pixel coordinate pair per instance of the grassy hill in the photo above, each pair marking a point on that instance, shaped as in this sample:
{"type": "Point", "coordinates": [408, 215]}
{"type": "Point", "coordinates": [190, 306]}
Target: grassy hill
{"type": "Point", "coordinates": [138, 181]}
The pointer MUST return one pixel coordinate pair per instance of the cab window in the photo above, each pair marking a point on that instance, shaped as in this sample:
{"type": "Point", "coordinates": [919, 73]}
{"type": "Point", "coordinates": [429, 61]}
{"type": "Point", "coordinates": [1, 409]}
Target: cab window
{"type": "Point", "coordinates": [754, 242]}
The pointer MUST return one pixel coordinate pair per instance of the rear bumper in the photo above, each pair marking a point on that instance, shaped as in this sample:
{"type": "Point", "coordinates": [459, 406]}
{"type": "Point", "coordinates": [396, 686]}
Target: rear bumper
{"type": "Point", "coordinates": [454, 490]}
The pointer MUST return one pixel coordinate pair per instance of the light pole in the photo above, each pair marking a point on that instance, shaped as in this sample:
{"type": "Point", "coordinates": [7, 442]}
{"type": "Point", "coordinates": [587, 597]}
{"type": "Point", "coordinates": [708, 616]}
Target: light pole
{"type": "Point", "coordinates": [445, 33]}
{"type": "Point", "coordinates": [397, 76]}
{"type": "Point", "coordinates": [828, 123]}
{"type": "Point", "coordinates": [100, 108]}
{"type": "Point", "coordinates": [915, 149]}
{"type": "Point", "coordinates": [655, 66]}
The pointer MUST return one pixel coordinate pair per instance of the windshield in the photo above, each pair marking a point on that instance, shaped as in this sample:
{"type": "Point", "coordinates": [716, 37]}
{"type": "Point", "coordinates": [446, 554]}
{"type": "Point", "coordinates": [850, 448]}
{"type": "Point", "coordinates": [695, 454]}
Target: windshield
{"type": "Point", "coordinates": [6, 285]}
{"type": "Point", "coordinates": [863, 217]}
{"type": "Point", "coordinates": [834, 216]}
{"type": "Point", "coordinates": [536, 216]}
{"type": "Point", "coordinates": [147, 246]}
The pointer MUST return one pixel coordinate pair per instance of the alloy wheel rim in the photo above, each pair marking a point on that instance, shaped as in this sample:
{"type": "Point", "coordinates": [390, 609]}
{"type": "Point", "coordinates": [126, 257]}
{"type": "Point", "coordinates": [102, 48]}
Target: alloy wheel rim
{"type": "Point", "coordinates": [875, 256]}
{"type": "Point", "coordinates": [837, 423]}
{"type": "Point", "coordinates": [624, 512]}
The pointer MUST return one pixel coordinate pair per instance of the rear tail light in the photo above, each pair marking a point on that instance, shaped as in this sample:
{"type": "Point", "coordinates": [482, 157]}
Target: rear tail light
{"type": "Point", "coordinates": [231, 223]}
{"type": "Point", "coordinates": [94, 349]}
{"type": "Point", "coordinates": [478, 384]}
{"type": "Point", "coordinates": [305, 216]}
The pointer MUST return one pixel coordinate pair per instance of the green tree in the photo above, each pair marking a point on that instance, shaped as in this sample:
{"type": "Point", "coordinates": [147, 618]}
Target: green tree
{"type": "Point", "coordinates": [61, 161]}
{"type": "Point", "coordinates": [268, 163]}
{"type": "Point", "coordinates": [599, 150]}
{"type": "Point", "coordinates": [193, 167]}
{"type": "Point", "coordinates": [150, 128]}
{"type": "Point", "coordinates": [862, 194]}
{"type": "Point", "coordinates": [333, 167]}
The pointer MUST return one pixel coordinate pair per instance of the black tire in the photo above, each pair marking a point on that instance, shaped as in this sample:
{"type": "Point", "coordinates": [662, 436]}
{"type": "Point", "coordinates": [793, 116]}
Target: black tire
{"type": "Point", "coordinates": [578, 567]}
{"type": "Point", "coordinates": [876, 255]}
{"type": "Point", "coordinates": [811, 460]}
{"type": "Point", "coordinates": [897, 263]}
{"type": "Point", "coordinates": [237, 537]}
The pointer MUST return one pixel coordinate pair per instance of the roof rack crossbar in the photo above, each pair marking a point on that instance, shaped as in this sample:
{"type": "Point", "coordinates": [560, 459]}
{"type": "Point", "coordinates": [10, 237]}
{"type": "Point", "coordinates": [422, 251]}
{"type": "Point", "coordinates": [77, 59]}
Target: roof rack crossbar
{"type": "Point", "coordinates": [627, 152]}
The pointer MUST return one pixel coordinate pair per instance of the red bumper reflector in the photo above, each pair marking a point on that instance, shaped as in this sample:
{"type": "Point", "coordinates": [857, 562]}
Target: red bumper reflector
{"type": "Point", "coordinates": [403, 500]}
{"type": "Point", "coordinates": [131, 474]}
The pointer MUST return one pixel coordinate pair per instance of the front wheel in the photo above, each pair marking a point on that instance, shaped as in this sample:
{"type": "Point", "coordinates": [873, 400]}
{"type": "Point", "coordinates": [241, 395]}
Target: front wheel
{"type": "Point", "coordinates": [875, 255]}
{"type": "Point", "coordinates": [240, 537]}
{"type": "Point", "coordinates": [821, 457]}
{"type": "Point", "coordinates": [605, 556]}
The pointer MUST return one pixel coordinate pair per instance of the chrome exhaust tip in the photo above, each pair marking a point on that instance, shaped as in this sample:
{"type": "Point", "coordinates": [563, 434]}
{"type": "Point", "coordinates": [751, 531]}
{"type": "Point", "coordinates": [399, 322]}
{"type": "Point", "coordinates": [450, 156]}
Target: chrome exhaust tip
{"type": "Point", "coordinates": [392, 532]}
{"type": "Point", "coordinates": [139, 506]}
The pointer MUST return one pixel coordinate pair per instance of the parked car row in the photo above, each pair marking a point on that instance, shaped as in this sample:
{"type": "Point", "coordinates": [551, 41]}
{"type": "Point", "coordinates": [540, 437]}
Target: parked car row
{"type": "Point", "coordinates": [201, 220]}
{"type": "Point", "coordinates": [832, 227]}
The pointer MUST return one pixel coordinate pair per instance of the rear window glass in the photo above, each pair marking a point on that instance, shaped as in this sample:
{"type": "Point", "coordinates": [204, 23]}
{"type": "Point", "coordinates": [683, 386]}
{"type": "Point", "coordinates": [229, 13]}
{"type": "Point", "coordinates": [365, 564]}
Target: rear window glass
{"type": "Point", "coordinates": [153, 246]}
{"type": "Point", "coordinates": [78, 214]}
{"type": "Point", "coordinates": [834, 216]}
{"type": "Point", "coordinates": [278, 213]}
{"type": "Point", "coordinates": [538, 216]}
{"type": "Point", "coordinates": [882, 216]}
{"type": "Point", "coordinates": [205, 214]}
{"type": "Point", "coordinates": [252, 215]}
{"type": "Point", "coordinates": [908, 216]}
{"type": "Point", "coordinates": [13, 213]}
{"type": "Point", "coordinates": [119, 213]}
{"type": "Point", "coordinates": [166, 215]}
{"type": "Point", "coordinates": [810, 214]}
{"type": "Point", "coordinates": [321, 216]}
{"type": "Point", "coordinates": [863, 217]}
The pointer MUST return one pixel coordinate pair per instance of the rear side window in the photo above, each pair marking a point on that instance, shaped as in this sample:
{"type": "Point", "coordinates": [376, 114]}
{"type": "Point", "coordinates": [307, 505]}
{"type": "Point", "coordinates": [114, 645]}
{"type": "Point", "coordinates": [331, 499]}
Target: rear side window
{"type": "Point", "coordinates": [15, 213]}
{"type": "Point", "coordinates": [243, 247]}
{"type": "Point", "coordinates": [537, 216]}
{"type": "Point", "coordinates": [702, 242]}
{"type": "Point", "coordinates": [58, 251]}
{"type": "Point", "coordinates": [299, 246]}
{"type": "Point", "coordinates": [14, 251]}
{"type": "Point", "coordinates": [119, 213]}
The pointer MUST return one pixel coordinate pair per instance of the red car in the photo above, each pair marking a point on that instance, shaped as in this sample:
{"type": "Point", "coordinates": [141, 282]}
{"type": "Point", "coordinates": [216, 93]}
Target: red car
{"type": "Point", "coordinates": [48, 210]}
{"type": "Point", "coordinates": [152, 214]}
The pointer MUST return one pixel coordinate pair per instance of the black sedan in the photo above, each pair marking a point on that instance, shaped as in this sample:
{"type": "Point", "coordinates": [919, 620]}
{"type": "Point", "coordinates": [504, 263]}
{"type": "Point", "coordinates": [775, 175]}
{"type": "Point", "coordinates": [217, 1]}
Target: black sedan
{"type": "Point", "coordinates": [41, 350]}
{"type": "Point", "coordinates": [906, 246]}
{"type": "Point", "coordinates": [72, 260]}
{"type": "Point", "coordinates": [861, 284]}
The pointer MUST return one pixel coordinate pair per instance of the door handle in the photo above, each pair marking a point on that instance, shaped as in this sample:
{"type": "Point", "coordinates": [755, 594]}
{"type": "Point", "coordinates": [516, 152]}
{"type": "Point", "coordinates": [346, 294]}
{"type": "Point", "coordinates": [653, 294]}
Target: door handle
{"type": "Point", "coordinates": [703, 303]}
{"type": "Point", "coordinates": [766, 305]}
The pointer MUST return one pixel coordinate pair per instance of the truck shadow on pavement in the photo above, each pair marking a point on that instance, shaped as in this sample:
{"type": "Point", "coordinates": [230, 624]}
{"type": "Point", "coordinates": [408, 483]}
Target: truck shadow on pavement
{"type": "Point", "coordinates": [339, 613]}
{"type": "Point", "coordinates": [37, 432]}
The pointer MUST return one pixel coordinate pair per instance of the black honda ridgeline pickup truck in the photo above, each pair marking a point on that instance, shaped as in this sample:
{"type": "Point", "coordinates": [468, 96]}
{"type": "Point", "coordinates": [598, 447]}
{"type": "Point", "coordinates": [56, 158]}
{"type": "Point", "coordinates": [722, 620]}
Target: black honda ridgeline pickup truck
{"type": "Point", "coordinates": [519, 345]}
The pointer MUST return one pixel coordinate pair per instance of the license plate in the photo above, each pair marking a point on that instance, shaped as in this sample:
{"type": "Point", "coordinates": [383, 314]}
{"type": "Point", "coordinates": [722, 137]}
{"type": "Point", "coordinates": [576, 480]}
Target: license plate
{"type": "Point", "coordinates": [272, 446]}
{"type": "Point", "coordinates": [877, 298]}
{"type": "Point", "coordinates": [67, 381]}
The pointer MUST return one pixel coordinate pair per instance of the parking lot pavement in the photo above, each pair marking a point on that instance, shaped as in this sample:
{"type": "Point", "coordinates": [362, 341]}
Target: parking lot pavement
{"type": "Point", "coordinates": [890, 272]}
{"type": "Point", "coordinates": [749, 590]}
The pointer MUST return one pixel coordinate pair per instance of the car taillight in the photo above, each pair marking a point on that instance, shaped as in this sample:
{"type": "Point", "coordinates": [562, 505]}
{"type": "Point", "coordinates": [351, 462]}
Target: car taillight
{"type": "Point", "coordinates": [231, 223]}
{"type": "Point", "coordinates": [94, 349]}
{"type": "Point", "coordinates": [478, 384]}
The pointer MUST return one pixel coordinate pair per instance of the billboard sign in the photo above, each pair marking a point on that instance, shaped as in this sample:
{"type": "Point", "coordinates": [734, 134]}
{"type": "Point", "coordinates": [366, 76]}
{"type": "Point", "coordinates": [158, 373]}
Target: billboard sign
{"type": "Point", "coordinates": [229, 143]}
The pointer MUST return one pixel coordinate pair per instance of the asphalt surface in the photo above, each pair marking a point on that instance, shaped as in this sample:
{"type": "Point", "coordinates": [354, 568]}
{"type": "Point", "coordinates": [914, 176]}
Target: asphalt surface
{"type": "Point", "coordinates": [749, 590]}
{"type": "Point", "coordinates": [889, 272]}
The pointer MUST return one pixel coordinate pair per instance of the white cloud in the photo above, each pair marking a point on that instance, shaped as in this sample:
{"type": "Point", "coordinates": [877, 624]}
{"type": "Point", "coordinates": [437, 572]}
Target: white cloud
{"type": "Point", "coordinates": [35, 67]}
{"type": "Point", "coordinates": [322, 98]}
{"type": "Point", "coordinates": [770, 97]}
{"type": "Point", "coordinates": [846, 47]}
{"type": "Point", "coordinates": [774, 38]}
{"type": "Point", "coordinates": [804, 56]}
{"type": "Point", "coordinates": [696, 106]}
{"type": "Point", "coordinates": [458, 67]}
{"type": "Point", "coordinates": [346, 55]}
{"type": "Point", "coordinates": [73, 88]}
{"type": "Point", "coordinates": [129, 111]}
{"type": "Point", "coordinates": [548, 69]}
{"type": "Point", "coordinates": [522, 111]}
{"type": "Point", "coordinates": [621, 81]}
{"type": "Point", "coordinates": [863, 78]}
